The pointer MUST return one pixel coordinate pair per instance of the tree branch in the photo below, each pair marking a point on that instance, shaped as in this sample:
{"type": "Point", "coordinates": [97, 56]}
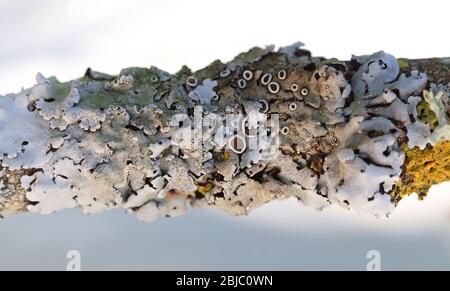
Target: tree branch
{"type": "Point", "coordinates": [268, 125]}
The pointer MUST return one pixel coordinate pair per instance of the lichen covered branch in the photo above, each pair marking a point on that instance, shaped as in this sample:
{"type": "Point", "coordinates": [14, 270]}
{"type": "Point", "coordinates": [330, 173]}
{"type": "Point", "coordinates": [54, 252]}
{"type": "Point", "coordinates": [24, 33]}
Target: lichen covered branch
{"type": "Point", "coordinates": [270, 124]}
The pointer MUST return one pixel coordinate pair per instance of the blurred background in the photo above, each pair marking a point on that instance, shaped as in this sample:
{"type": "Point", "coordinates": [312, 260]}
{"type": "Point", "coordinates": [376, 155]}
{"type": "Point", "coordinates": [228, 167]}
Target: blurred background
{"type": "Point", "coordinates": [64, 37]}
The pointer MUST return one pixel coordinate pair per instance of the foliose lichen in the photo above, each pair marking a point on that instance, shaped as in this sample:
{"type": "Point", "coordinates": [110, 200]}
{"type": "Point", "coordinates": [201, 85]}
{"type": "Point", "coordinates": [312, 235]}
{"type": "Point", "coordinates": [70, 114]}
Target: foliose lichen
{"type": "Point", "coordinates": [359, 134]}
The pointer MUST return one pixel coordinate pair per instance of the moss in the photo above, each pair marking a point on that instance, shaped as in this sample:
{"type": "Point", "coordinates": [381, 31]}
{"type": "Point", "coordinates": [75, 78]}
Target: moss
{"type": "Point", "coordinates": [422, 169]}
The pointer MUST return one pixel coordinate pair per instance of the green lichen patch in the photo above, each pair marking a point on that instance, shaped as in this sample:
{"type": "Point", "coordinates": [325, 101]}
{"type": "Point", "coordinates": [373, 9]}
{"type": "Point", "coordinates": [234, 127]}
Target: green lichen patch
{"type": "Point", "coordinates": [426, 115]}
{"type": "Point", "coordinates": [59, 90]}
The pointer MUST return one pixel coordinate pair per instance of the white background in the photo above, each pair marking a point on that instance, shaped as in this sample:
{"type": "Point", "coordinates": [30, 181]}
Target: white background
{"type": "Point", "coordinates": [64, 37]}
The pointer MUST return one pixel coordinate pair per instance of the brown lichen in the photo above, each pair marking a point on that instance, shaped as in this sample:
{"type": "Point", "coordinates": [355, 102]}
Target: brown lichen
{"type": "Point", "coordinates": [13, 196]}
{"type": "Point", "coordinates": [436, 69]}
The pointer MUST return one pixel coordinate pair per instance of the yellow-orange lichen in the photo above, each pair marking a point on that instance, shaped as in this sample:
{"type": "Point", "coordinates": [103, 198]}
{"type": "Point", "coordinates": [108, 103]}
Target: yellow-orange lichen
{"type": "Point", "coordinates": [422, 169]}
{"type": "Point", "coordinates": [204, 188]}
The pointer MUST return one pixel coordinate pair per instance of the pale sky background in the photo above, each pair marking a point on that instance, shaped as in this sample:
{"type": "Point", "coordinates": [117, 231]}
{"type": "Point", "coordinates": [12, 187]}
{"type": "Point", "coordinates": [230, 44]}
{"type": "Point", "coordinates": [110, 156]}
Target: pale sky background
{"type": "Point", "coordinates": [64, 37]}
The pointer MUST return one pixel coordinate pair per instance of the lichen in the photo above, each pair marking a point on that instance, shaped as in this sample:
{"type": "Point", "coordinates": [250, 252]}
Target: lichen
{"type": "Point", "coordinates": [423, 169]}
{"type": "Point", "coordinates": [267, 125]}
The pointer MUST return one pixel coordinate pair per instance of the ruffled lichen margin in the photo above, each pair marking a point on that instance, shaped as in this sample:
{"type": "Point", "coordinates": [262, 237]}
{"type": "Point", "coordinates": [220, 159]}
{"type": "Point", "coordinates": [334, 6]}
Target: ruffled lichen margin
{"type": "Point", "coordinates": [361, 134]}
